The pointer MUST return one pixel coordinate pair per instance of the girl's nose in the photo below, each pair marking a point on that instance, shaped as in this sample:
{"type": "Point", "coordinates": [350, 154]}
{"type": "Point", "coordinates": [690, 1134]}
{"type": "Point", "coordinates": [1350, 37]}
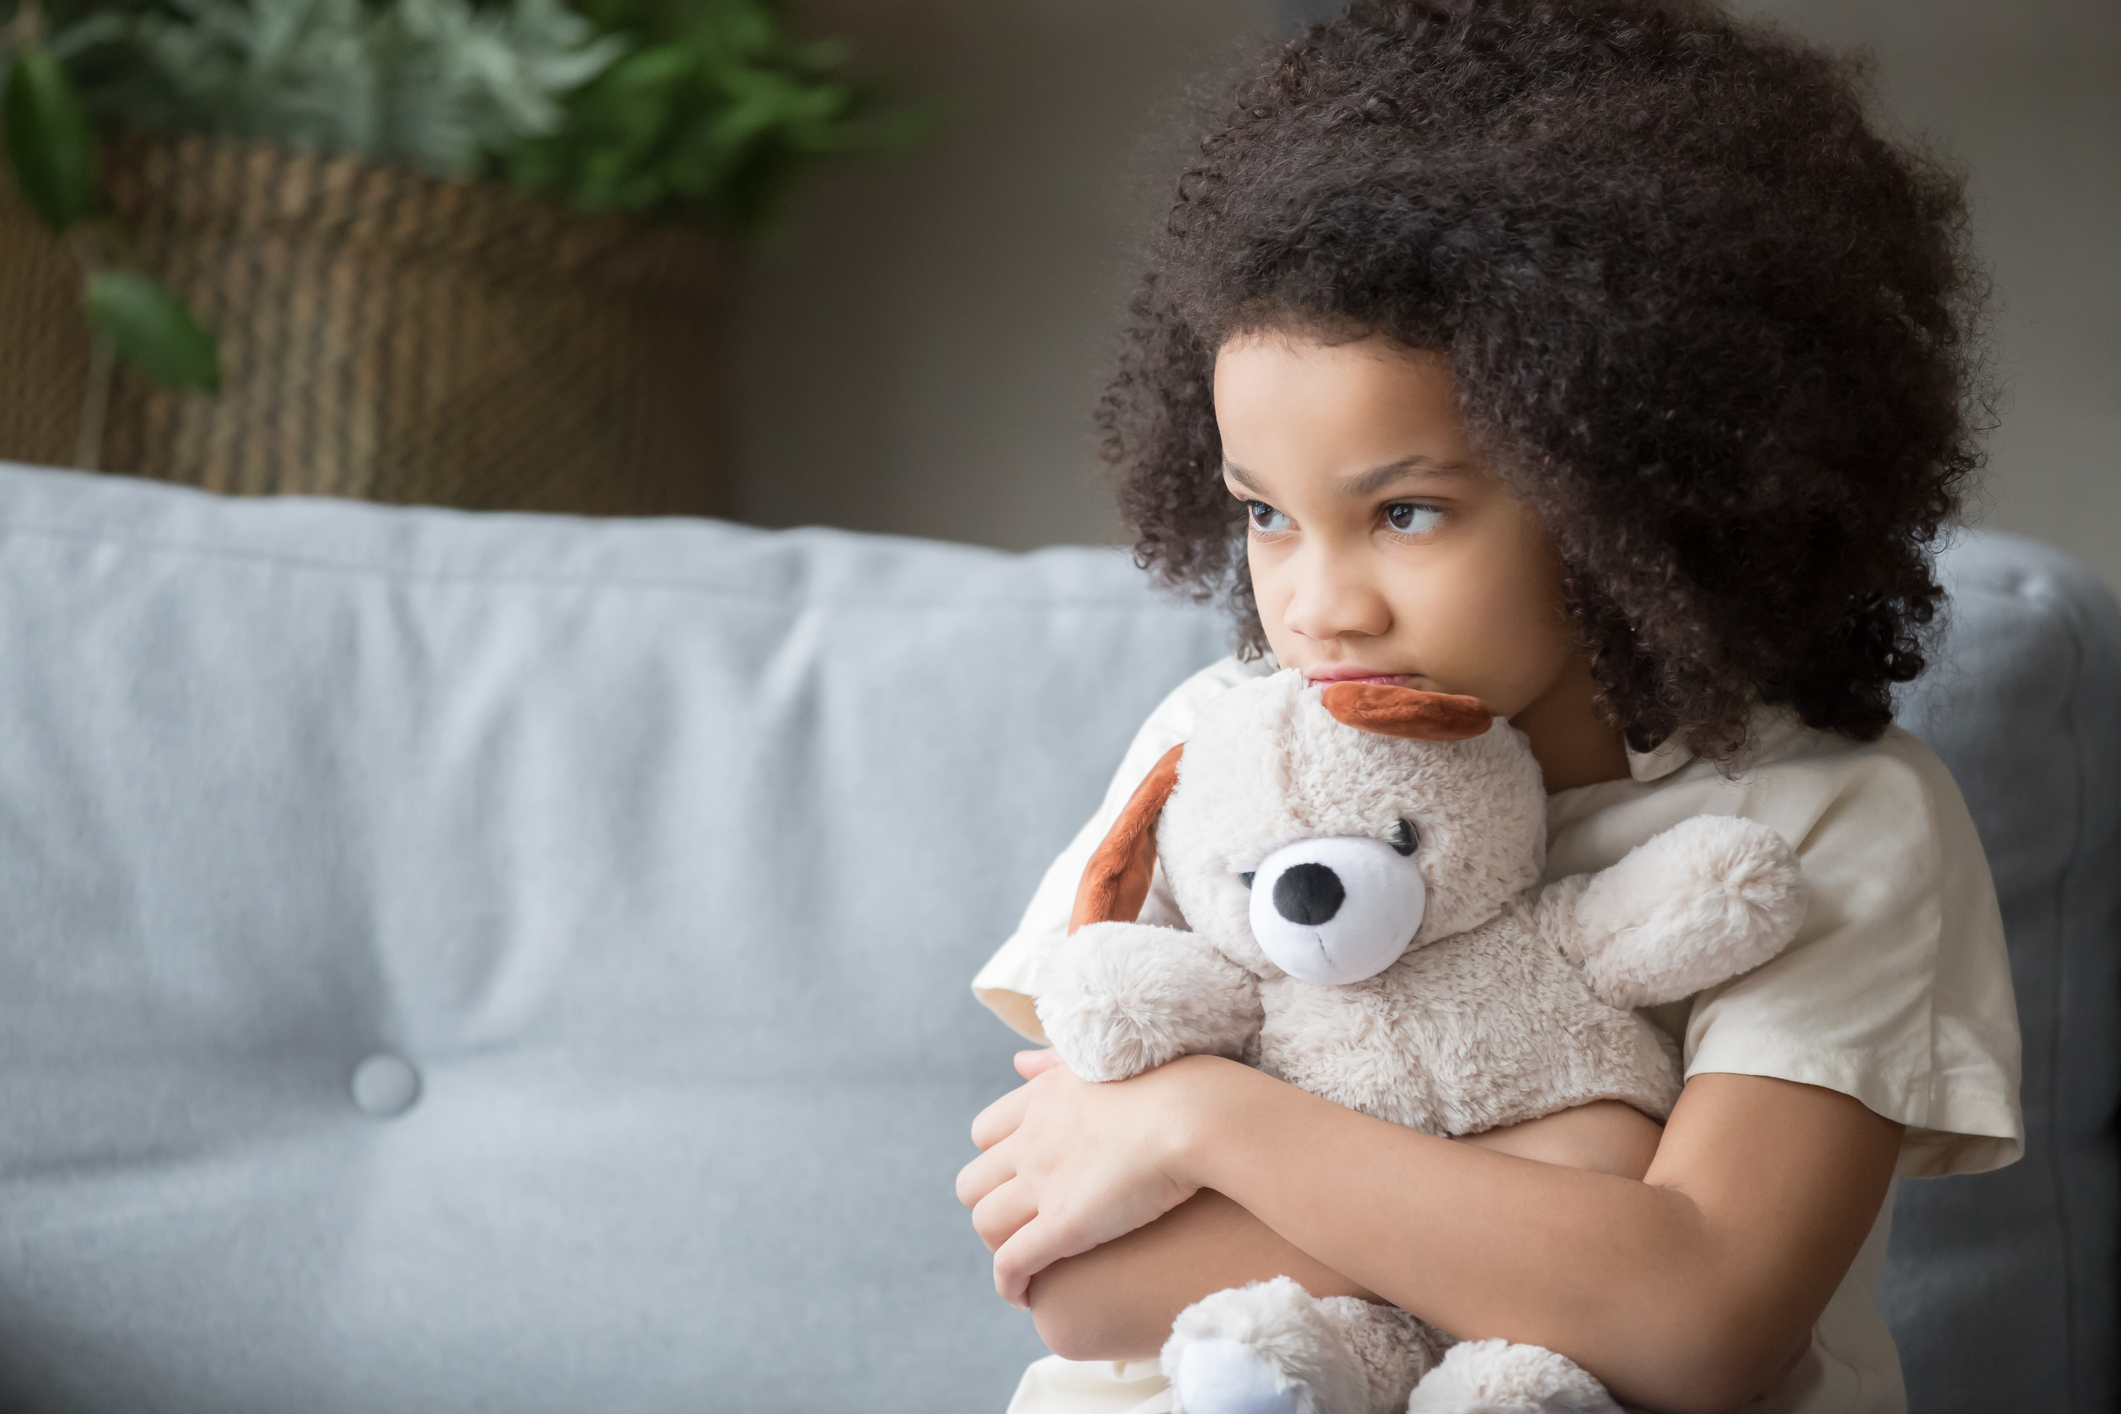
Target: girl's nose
{"type": "Point", "coordinates": [1334, 599]}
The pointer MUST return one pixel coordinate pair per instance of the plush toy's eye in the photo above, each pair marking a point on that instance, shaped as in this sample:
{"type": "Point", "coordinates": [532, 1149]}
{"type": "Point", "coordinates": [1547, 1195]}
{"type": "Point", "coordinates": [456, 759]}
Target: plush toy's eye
{"type": "Point", "coordinates": [1246, 878]}
{"type": "Point", "coordinates": [1404, 837]}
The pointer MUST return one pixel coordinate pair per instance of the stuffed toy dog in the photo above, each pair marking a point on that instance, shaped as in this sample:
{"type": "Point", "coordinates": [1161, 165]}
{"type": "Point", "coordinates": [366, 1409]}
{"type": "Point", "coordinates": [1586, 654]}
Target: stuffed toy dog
{"type": "Point", "coordinates": [1356, 867]}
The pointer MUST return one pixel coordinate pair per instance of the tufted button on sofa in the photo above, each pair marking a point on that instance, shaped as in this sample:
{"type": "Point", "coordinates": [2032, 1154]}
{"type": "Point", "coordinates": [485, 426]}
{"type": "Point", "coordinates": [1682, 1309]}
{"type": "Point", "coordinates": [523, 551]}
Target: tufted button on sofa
{"type": "Point", "coordinates": [483, 962]}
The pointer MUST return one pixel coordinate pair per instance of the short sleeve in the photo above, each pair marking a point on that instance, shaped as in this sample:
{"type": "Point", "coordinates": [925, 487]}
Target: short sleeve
{"type": "Point", "coordinates": [1008, 983]}
{"type": "Point", "coordinates": [1897, 990]}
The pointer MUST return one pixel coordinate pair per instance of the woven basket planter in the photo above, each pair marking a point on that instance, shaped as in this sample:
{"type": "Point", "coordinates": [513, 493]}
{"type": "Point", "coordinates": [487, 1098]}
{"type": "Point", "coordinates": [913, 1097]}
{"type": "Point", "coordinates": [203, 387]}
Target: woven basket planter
{"type": "Point", "coordinates": [388, 335]}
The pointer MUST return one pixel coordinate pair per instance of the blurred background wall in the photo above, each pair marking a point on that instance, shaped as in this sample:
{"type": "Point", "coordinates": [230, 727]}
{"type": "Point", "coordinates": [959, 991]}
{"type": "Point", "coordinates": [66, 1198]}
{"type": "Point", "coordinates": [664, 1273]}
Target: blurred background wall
{"type": "Point", "coordinates": [922, 342]}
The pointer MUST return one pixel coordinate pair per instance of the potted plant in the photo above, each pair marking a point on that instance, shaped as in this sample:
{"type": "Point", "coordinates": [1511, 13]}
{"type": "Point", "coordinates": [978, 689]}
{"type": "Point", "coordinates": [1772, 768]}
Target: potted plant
{"type": "Point", "coordinates": [464, 253]}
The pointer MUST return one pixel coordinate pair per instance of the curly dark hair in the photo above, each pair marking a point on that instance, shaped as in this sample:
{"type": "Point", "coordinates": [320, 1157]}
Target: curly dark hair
{"type": "Point", "coordinates": [1712, 325]}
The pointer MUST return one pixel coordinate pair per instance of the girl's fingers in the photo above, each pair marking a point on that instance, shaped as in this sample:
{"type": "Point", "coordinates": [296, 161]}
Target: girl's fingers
{"type": "Point", "coordinates": [982, 1176]}
{"type": "Point", "coordinates": [997, 1216]}
{"type": "Point", "coordinates": [999, 1120]}
{"type": "Point", "coordinates": [1032, 1064]}
{"type": "Point", "coordinates": [1032, 1248]}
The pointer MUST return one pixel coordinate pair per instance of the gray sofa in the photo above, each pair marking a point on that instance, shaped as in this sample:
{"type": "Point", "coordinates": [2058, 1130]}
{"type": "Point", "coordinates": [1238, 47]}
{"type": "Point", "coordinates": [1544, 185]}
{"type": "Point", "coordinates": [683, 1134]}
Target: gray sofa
{"type": "Point", "coordinates": [501, 963]}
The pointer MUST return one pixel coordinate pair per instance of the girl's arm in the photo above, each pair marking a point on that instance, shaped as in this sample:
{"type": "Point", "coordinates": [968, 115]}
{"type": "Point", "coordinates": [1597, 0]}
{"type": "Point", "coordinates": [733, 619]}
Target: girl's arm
{"type": "Point", "coordinates": [1117, 1301]}
{"type": "Point", "coordinates": [1684, 1291]}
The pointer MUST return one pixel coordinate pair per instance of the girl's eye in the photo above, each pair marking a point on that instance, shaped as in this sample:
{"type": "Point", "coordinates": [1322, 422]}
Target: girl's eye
{"type": "Point", "coordinates": [1265, 519]}
{"type": "Point", "coordinates": [1410, 519]}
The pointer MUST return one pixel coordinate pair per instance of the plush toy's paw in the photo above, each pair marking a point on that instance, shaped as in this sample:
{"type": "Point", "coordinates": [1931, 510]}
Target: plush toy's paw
{"type": "Point", "coordinates": [1117, 999]}
{"type": "Point", "coordinates": [1710, 898]}
{"type": "Point", "coordinates": [1496, 1377]}
{"type": "Point", "coordinates": [1224, 1376]}
{"type": "Point", "coordinates": [1267, 1347]}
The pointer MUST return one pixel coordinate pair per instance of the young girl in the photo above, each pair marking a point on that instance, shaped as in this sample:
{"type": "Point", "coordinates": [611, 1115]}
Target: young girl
{"type": "Point", "coordinates": [1594, 358]}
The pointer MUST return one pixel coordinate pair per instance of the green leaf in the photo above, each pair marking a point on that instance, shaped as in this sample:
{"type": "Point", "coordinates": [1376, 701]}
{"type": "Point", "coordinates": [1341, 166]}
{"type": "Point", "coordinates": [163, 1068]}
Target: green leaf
{"type": "Point", "coordinates": [48, 139]}
{"type": "Point", "coordinates": [649, 68]}
{"type": "Point", "coordinates": [152, 330]}
{"type": "Point", "coordinates": [712, 112]}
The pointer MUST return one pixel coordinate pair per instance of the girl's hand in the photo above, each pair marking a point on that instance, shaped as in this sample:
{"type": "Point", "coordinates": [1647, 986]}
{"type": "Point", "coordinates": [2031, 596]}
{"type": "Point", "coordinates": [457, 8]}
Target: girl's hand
{"type": "Point", "coordinates": [1069, 1165]}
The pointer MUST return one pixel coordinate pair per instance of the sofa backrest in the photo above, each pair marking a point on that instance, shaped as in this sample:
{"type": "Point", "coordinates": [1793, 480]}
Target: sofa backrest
{"type": "Point", "coordinates": [2001, 1287]}
{"type": "Point", "coordinates": [456, 962]}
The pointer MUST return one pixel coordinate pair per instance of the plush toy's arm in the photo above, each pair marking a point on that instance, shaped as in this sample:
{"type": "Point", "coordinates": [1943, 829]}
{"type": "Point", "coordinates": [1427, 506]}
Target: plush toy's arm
{"type": "Point", "coordinates": [1710, 898]}
{"type": "Point", "coordinates": [1117, 999]}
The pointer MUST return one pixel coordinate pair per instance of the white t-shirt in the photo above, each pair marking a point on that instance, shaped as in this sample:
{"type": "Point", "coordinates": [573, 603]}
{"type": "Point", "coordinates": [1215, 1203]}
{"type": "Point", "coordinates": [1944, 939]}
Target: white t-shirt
{"type": "Point", "coordinates": [1896, 991]}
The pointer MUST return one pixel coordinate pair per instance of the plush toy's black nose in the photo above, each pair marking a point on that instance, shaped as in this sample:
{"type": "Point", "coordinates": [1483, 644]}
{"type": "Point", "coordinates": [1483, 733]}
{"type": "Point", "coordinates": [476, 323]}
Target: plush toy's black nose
{"type": "Point", "coordinates": [1309, 894]}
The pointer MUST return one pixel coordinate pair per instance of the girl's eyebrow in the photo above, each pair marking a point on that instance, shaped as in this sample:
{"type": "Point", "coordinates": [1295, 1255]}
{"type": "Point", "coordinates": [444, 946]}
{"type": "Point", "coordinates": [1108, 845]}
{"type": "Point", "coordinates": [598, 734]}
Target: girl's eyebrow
{"type": "Point", "coordinates": [1376, 479]}
{"type": "Point", "coordinates": [1370, 482]}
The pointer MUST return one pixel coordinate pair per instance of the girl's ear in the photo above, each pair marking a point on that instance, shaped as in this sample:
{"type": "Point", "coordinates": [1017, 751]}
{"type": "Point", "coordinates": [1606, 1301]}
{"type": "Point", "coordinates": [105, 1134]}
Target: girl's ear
{"type": "Point", "coordinates": [1116, 880]}
{"type": "Point", "coordinates": [1407, 712]}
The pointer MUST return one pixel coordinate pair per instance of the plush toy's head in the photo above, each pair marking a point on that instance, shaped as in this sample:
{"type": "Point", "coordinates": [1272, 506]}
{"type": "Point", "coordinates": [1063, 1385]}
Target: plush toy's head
{"type": "Point", "coordinates": [1323, 832]}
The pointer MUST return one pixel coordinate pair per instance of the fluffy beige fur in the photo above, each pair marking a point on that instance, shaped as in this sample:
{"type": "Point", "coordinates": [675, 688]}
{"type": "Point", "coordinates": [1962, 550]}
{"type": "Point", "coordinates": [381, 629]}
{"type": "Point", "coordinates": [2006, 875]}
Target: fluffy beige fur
{"type": "Point", "coordinates": [1508, 1002]}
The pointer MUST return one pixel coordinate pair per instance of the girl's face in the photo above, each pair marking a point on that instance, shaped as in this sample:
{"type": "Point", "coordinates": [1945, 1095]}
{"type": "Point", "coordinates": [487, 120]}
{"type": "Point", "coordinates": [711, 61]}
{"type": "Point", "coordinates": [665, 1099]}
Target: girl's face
{"type": "Point", "coordinates": [1380, 547]}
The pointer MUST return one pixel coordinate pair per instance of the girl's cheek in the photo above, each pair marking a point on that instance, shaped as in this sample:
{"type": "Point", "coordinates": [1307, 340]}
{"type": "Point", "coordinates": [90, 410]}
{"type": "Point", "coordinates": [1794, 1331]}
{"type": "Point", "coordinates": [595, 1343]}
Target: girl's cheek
{"type": "Point", "coordinates": [1270, 593]}
{"type": "Point", "coordinates": [1267, 584]}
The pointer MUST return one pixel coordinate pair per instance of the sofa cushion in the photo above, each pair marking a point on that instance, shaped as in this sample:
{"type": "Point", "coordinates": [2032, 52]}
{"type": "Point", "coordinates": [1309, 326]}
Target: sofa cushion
{"type": "Point", "coordinates": [656, 855]}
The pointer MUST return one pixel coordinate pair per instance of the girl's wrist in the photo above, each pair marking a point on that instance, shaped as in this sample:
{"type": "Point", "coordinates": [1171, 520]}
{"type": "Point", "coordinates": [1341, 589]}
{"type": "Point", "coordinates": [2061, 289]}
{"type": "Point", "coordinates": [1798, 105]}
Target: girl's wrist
{"type": "Point", "coordinates": [1206, 1094]}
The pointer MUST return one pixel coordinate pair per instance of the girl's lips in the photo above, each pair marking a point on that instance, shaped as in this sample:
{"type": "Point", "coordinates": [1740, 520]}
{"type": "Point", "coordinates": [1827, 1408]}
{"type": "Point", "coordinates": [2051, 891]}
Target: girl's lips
{"type": "Point", "coordinates": [1320, 677]}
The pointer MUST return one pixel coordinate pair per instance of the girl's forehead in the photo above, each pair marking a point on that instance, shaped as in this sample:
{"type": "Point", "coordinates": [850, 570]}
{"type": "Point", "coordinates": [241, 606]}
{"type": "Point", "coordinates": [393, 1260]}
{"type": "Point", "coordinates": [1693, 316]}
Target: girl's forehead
{"type": "Point", "coordinates": [1353, 414]}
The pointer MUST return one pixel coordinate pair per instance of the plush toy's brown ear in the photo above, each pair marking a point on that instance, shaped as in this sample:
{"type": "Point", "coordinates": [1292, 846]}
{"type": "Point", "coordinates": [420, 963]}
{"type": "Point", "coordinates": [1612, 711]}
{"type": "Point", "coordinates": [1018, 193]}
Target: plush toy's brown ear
{"type": "Point", "coordinates": [1116, 880]}
{"type": "Point", "coordinates": [1407, 712]}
